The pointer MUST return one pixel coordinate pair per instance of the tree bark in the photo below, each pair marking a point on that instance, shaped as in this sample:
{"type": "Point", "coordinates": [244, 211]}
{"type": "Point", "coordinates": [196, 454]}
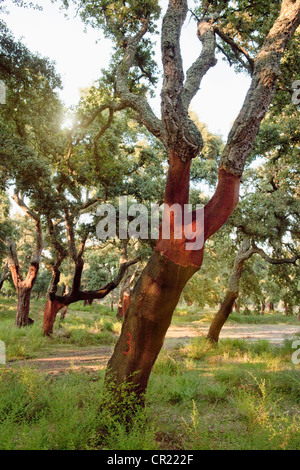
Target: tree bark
{"type": "Point", "coordinates": [222, 316]}
{"type": "Point", "coordinates": [23, 307]}
{"type": "Point", "coordinates": [4, 276]}
{"type": "Point", "coordinates": [50, 312]}
{"type": "Point", "coordinates": [63, 314]}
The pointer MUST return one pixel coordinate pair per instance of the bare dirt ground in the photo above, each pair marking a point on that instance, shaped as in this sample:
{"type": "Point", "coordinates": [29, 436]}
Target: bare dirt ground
{"type": "Point", "coordinates": [276, 334]}
{"type": "Point", "coordinates": [96, 358]}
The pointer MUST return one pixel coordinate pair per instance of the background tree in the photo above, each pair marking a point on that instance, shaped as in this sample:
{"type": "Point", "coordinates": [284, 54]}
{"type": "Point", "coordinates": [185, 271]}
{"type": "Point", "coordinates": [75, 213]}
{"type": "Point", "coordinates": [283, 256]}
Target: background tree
{"type": "Point", "coordinates": [269, 211]}
{"type": "Point", "coordinates": [27, 120]}
{"type": "Point", "coordinates": [99, 166]}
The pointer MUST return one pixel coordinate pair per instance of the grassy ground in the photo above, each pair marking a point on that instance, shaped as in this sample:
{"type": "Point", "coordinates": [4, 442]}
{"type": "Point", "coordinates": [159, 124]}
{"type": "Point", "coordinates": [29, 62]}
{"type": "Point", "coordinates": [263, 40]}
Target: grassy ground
{"type": "Point", "coordinates": [237, 395]}
{"type": "Point", "coordinates": [83, 326]}
{"type": "Point", "coordinates": [192, 316]}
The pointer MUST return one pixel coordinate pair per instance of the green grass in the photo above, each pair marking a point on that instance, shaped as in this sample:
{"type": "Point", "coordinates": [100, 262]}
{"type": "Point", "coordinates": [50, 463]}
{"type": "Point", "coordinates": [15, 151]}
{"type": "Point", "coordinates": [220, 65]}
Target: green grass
{"type": "Point", "coordinates": [267, 319]}
{"type": "Point", "coordinates": [193, 316]}
{"type": "Point", "coordinates": [235, 395]}
{"type": "Point", "coordinates": [66, 412]}
{"type": "Point", "coordinates": [92, 325]}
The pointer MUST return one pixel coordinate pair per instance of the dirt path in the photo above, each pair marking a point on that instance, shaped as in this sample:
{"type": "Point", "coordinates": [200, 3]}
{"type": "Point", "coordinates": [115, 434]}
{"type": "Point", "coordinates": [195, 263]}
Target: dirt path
{"type": "Point", "coordinates": [276, 334]}
{"type": "Point", "coordinates": [96, 358]}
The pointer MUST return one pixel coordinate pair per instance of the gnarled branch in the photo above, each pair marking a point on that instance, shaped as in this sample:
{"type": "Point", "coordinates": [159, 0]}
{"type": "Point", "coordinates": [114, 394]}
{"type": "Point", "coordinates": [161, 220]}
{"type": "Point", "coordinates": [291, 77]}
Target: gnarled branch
{"type": "Point", "coordinates": [200, 67]}
{"type": "Point", "coordinates": [266, 71]}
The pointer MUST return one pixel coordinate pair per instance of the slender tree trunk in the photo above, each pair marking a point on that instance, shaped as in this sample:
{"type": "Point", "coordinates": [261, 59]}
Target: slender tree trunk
{"type": "Point", "coordinates": [63, 314]}
{"type": "Point", "coordinates": [288, 309]}
{"type": "Point", "coordinates": [126, 304]}
{"type": "Point", "coordinates": [4, 276]}
{"type": "Point", "coordinates": [263, 307]}
{"type": "Point", "coordinates": [50, 312]}
{"type": "Point", "coordinates": [232, 294]}
{"type": "Point", "coordinates": [222, 316]}
{"type": "Point", "coordinates": [112, 303]}
{"type": "Point", "coordinates": [123, 305]}
{"type": "Point", "coordinates": [24, 287]}
{"type": "Point", "coordinates": [23, 307]}
{"type": "Point", "coordinates": [123, 284]}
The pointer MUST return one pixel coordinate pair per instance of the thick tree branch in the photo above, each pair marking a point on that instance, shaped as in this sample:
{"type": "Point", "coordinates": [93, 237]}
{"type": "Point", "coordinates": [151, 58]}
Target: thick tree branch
{"type": "Point", "coordinates": [182, 136]}
{"type": "Point", "coordinates": [13, 264]}
{"type": "Point", "coordinates": [100, 134]}
{"type": "Point", "coordinates": [56, 243]}
{"type": "Point", "coordinates": [277, 261]}
{"type": "Point", "coordinates": [200, 67]}
{"type": "Point", "coordinates": [87, 204]}
{"type": "Point", "coordinates": [146, 115]}
{"type": "Point", "coordinates": [171, 50]}
{"type": "Point", "coordinates": [266, 71]}
{"type": "Point", "coordinates": [77, 295]}
{"type": "Point", "coordinates": [71, 235]}
{"type": "Point", "coordinates": [82, 245]}
{"type": "Point", "coordinates": [237, 50]}
{"type": "Point", "coordinates": [245, 129]}
{"type": "Point", "coordinates": [20, 202]}
{"type": "Point", "coordinates": [87, 121]}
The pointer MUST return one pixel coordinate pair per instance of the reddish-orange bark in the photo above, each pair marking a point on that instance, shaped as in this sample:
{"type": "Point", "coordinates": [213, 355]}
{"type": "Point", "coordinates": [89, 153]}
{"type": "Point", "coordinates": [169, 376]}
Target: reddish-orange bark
{"type": "Point", "coordinates": [178, 181]}
{"type": "Point", "coordinates": [159, 288]}
{"type": "Point", "coordinates": [51, 310]}
{"type": "Point", "coordinates": [222, 204]}
{"type": "Point", "coordinates": [125, 303]}
{"type": "Point", "coordinates": [216, 212]}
